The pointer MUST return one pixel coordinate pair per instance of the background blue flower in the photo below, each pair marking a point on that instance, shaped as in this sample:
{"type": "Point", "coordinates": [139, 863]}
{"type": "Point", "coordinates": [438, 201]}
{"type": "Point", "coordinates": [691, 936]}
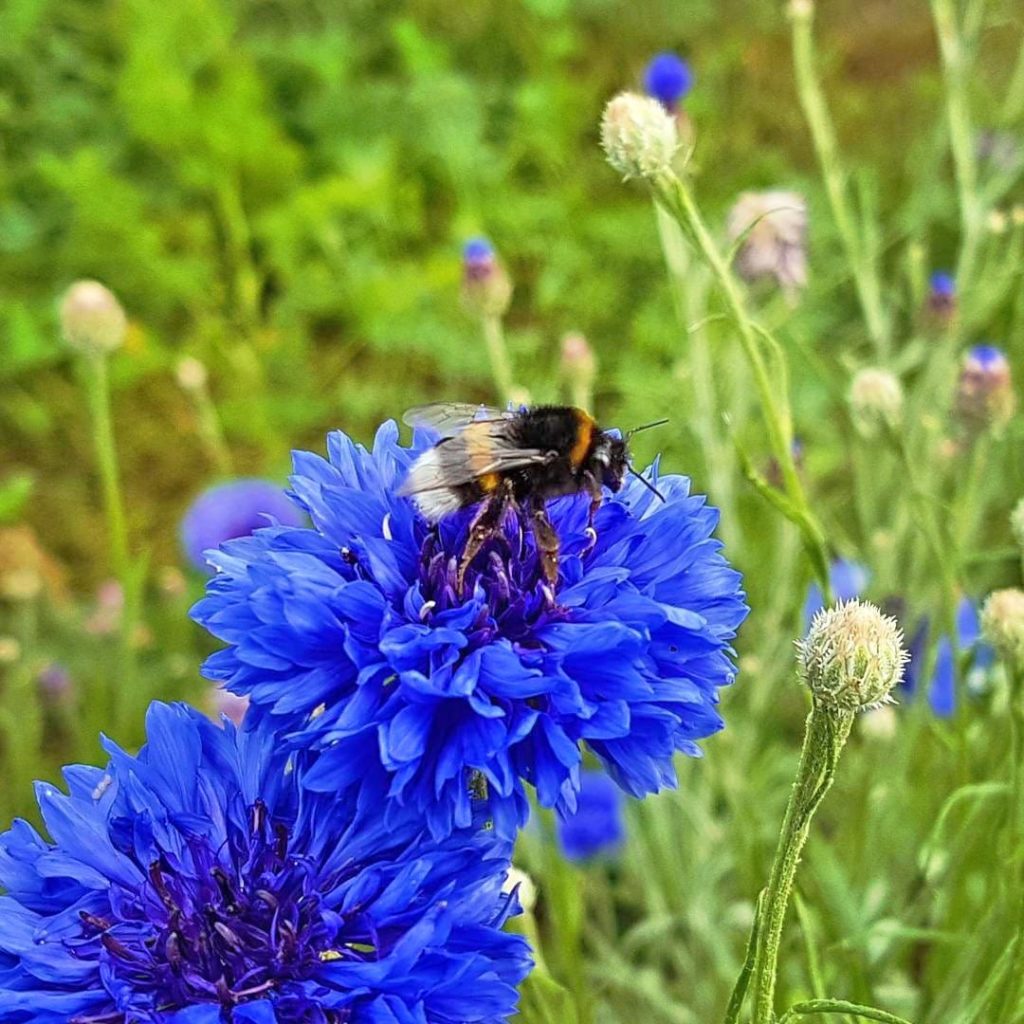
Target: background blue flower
{"type": "Point", "coordinates": [198, 884]}
{"type": "Point", "coordinates": [849, 580]}
{"type": "Point", "coordinates": [598, 825]}
{"type": "Point", "coordinates": [353, 638]}
{"type": "Point", "coordinates": [229, 510]}
{"type": "Point", "coordinates": [668, 78]}
{"type": "Point", "coordinates": [966, 647]}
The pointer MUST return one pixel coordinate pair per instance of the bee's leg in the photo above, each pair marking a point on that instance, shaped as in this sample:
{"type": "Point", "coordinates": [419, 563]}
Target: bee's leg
{"type": "Point", "coordinates": [547, 543]}
{"type": "Point", "coordinates": [486, 523]}
{"type": "Point", "coordinates": [593, 487]}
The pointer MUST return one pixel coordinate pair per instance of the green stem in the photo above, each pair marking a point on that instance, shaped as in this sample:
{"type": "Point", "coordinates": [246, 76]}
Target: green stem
{"type": "Point", "coordinates": [953, 50]}
{"type": "Point", "coordinates": [675, 196]}
{"type": "Point", "coordinates": [97, 388]}
{"type": "Point", "coordinates": [718, 458]}
{"type": "Point", "coordinates": [1015, 978]}
{"type": "Point", "coordinates": [121, 687]}
{"type": "Point", "coordinates": [211, 432]}
{"type": "Point", "coordinates": [497, 350]}
{"type": "Point", "coordinates": [824, 736]}
{"type": "Point", "coordinates": [862, 262]}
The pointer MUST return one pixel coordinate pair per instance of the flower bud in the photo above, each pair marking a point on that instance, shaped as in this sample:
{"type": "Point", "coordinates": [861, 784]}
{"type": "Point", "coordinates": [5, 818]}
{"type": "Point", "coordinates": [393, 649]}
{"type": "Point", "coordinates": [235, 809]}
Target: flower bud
{"type": "Point", "coordinates": [224, 703]}
{"type": "Point", "coordinates": [1002, 624]}
{"type": "Point", "coordinates": [92, 319]}
{"type": "Point", "coordinates": [668, 78]}
{"type": "Point", "coordinates": [191, 374]}
{"type": "Point", "coordinates": [771, 229]}
{"type": "Point", "coordinates": [876, 400]}
{"type": "Point", "coordinates": [527, 888]}
{"type": "Point", "coordinates": [1017, 523]}
{"type": "Point", "coordinates": [10, 650]}
{"type": "Point", "coordinates": [55, 684]}
{"type": "Point", "coordinates": [984, 396]}
{"type": "Point", "coordinates": [942, 296]}
{"type": "Point", "coordinates": [997, 222]}
{"type": "Point", "coordinates": [486, 288]}
{"type": "Point", "coordinates": [579, 364]}
{"type": "Point", "coordinates": [639, 136]}
{"type": "Point", "coordinates": [852, 658]}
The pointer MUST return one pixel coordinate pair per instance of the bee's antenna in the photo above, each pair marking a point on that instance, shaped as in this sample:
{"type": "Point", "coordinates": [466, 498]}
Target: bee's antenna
{"type": "Point", "coordinates": [647, 483]}
{"type": "Point", "coordinates": [645, 426]}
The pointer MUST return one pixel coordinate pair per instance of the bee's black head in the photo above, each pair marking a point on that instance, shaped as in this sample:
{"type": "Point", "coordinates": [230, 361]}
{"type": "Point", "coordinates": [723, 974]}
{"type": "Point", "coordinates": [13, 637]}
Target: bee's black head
{"type": "Point", "coordinates": [611, 461]}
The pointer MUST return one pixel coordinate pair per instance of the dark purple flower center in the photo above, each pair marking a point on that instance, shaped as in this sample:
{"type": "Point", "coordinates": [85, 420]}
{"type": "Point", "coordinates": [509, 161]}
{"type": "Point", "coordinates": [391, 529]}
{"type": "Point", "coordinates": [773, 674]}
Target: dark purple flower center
{"type": "Point", "coordinates": [508, 572]}
{"type": "Point", "coordinates": [204, 932]}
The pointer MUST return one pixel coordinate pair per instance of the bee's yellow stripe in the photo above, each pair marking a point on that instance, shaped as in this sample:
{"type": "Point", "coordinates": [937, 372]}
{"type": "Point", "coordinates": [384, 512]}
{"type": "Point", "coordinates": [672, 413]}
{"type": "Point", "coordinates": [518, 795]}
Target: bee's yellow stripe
{"type": "Point", "coordinates": [489, 482]}
{"type": "Point", "coordinates": [585, 425]}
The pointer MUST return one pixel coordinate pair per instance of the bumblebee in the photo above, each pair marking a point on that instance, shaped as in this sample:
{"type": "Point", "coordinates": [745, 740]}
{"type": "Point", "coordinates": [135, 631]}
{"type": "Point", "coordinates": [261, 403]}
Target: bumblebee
{"type": "Point", "coordinates": [515, 459]}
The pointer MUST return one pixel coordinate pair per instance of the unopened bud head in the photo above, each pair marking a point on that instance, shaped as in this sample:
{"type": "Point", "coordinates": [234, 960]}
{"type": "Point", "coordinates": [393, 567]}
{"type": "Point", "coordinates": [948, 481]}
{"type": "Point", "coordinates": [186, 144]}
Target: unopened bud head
{"type": "Point", "coordinates": [486, 287]}
{"type": "Point", "coordinates": [1002, 624]}
{"type": "Point", "coordinates": [852, 658]}
{"type": "Point", "coordinates": [1017, 523]}
{"type": "Point", "coordinates": [876, 400]}
{"type": "Point", "coordinates": [985, 396]}
{"type": "Point", "coordinates": [639, 136]}
{"type": "Point", "coordinates": [92, 319]}
{"type": "Point", "coordinates": [578, 359]}
{"type": "Point", "coordinates": [191, 374]}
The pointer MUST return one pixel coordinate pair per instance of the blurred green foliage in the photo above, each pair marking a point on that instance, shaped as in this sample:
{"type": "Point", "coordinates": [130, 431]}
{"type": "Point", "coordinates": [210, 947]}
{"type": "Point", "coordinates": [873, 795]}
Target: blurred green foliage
{"type": "Point", "coordinates": [281, 188]}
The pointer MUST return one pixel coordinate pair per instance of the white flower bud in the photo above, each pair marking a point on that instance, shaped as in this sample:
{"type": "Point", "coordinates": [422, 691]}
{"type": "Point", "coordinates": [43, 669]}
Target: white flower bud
{"type": "Point", "coordinates": [1017, 524]}
{"type": "Point", "coordinates": [527, 888]}
{"type": "Point", "coordinates": [852, 658]}
{"type": "Point", "coordinates": [639, 136]}
{"type": "Point", "coordinates": [191, 374]}
{"type": "Point", "coordinates": [92, 319]}
{"type": "Point", "coordinates": [876, 399]}
{"type": "Point", "coordinates": [1002, 624]}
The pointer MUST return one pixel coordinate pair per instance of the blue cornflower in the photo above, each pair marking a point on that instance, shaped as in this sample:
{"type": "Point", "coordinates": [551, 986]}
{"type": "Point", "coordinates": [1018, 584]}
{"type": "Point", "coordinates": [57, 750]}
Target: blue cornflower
{"type": "Point", "coordinates": [668, 79]}
{"type": "Point", "coordinates": [985, 396]}
{"type": "Point", "coordinates": [353, 638]}
{"type": "Point", "coordinates": [229, 510]}
{"type": "Point", "coordinates": [966, 647]}
{"type": "Point", "coordinates": [477, 252]}
{"type": "Point", "coordinates": [849, 580]}
{"type": "Point", "coordinates": [598, 826]}
{"type": "Point", "coordinates": [942, 284]}
{"type": "Point", "coordinates": [198, 883]}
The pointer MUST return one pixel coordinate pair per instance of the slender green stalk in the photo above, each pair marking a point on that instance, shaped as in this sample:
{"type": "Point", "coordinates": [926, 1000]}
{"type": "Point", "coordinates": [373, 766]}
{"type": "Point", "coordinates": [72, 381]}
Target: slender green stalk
{"type": "Point", "coordinates": [825, 733]}
{"type": "Point", "coordinates": [97, 389]}
{"type": "Point", "coordinates": [1013, 102]}
{"type": "Point", "coordinates": [497, 350]}
{"type": "Point", "coordinates": [953, 48]}
{"type": "Point", "coordinates": [210, 430]}
{"type": "Point", "coordinates": [675, 196]}
{"type": "Point", "coordinates": [718, 460]}
{"type": "Point", "coordinates": [861, 261]}
{"type": "Point", "coordinates": [121, 688]}
{"type": "Point", "coordinates": [1014, 991]}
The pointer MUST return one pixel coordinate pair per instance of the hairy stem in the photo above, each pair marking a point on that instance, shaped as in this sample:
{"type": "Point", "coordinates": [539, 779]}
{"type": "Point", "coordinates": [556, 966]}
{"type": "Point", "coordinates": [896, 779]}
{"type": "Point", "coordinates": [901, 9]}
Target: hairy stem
{"type": "Point", "coordinates": [824, 736]}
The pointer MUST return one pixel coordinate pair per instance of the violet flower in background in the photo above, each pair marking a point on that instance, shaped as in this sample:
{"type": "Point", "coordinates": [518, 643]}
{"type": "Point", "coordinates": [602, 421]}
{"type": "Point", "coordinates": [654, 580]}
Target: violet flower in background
{"type": "Point", "coordinates": [233, 509]}
{"type": "Point", "coordinates": [966, 649]}
{"type": "Point", "coordinates": [848, 579]}
{"type": "Point", "coordinates": [598, 825]}
{"type": "Point", "coordinates": [668, 78]}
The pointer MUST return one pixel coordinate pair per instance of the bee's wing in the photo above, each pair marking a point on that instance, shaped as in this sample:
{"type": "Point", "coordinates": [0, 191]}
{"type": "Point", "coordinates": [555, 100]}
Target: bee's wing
{"type": "Point", "coordinates": [479, 450]}
{"type": "Point", "coordinates": [448, 418]}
